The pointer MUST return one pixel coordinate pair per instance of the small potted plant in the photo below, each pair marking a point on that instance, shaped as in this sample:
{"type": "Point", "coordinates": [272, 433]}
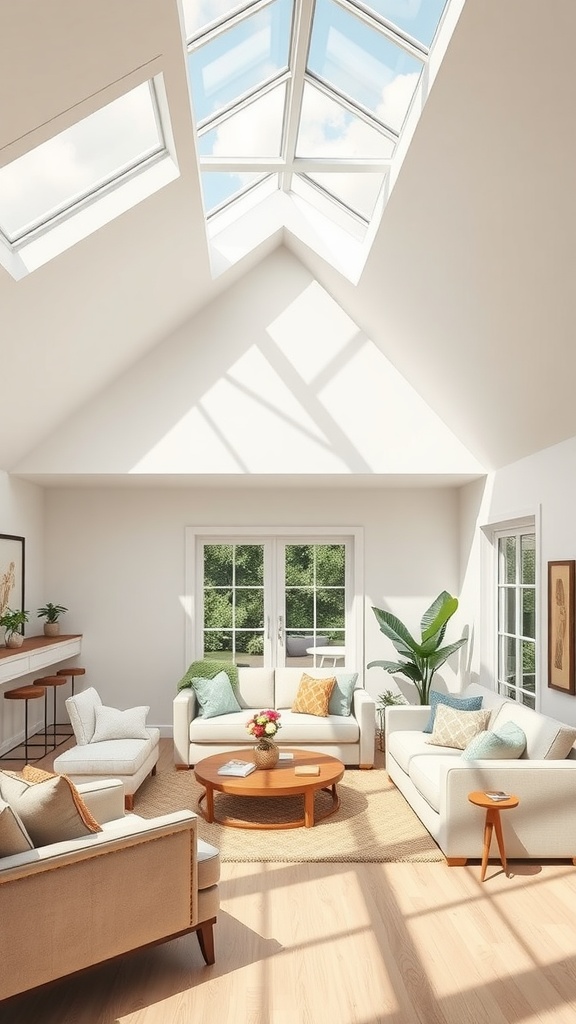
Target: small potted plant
{"type": "Point", "coordinates": [386, 700]}
{"type": "Point", "coordinates": [51, 612]}
{"type": "Point", "coordinates": [12, 622]}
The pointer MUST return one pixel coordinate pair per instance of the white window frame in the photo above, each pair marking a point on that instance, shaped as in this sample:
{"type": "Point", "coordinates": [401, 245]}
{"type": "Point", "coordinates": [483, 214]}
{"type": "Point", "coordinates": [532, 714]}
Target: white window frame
{"type": "Point", "coordinates": [492, 531]}
{"type": "Point", "coordinates": [195, 535]}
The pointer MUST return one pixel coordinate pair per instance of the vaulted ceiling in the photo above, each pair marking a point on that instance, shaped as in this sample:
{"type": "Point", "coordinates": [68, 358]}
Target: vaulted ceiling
{"type": "Point", "coordinates": [467, 291]}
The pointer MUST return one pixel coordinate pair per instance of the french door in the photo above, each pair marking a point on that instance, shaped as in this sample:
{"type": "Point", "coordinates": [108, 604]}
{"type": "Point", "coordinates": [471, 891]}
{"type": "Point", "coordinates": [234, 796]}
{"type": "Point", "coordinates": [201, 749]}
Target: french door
{"type": "Point", "coordinates": [270, 600]}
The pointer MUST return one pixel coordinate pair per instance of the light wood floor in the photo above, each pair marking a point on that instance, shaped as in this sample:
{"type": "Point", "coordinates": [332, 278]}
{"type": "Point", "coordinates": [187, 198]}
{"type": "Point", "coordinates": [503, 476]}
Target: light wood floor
{"type": "Point", "coordinates": [347, 944]}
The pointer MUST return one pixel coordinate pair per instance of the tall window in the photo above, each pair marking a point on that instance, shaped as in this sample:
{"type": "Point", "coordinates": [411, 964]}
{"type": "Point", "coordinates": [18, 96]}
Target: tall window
{"type": "Point", "coordinates": [516, 658]}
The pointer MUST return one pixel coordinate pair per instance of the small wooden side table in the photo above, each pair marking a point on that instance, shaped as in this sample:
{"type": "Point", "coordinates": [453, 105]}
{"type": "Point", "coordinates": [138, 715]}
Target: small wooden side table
{"type": "Point", "coordinates": [493, 808]}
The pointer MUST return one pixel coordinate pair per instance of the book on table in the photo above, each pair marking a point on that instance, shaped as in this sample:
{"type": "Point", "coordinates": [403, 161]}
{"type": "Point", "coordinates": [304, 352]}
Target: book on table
{"type": "Point", "coordinates": [235, 767]}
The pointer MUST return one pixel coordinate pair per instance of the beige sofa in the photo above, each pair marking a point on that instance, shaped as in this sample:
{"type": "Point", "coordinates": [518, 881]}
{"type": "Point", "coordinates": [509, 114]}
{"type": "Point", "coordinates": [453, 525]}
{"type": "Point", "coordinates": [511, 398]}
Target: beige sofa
{"type": "Point", "coordinates": [349, 738]}
{"type": "Point", "coordinates": [436, 781]}
{"type": "Point", "coordinates": [77, 903]}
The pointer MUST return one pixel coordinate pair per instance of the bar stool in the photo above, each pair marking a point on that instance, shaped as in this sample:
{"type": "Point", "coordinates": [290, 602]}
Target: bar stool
{"type": "Point", "coordinates": [72, 673]}
{"type": "Point", "coordinates": [54, 682]}
{"type": "Point", "coordinates": [25, 693]}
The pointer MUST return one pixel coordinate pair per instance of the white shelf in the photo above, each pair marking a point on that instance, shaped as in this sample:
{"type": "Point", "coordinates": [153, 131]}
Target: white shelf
{"type": "Point", "coordinates": [36, 653]}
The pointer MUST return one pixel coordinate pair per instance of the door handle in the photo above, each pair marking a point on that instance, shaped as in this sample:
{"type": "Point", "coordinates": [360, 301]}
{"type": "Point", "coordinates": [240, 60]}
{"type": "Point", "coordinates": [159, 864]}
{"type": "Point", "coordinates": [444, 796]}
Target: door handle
{"type": "Point", "coordinates": [280, 629]}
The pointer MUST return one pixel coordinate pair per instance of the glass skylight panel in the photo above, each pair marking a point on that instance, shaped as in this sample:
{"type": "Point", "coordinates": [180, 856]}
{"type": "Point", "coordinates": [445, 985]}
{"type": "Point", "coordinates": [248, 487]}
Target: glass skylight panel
{"type": "Point", "coordinates": [329, 129]}
{"type": "Point", "coordinates": [360, 62]}
{"type": "Point", "coordinates": [200, 13]}
{"type": "Point", "coordinates": [78, 162]}
{"type": "Point", "coordinates": [358, 191]}
{"type": "Point", "coordinates": [220, 187]}
{"type": "Point", "coordinates": [239, 59]}
{"type": "Point", "coordinates": [418, 18]}
{"type": "Point", "coordinates": [254, 131]}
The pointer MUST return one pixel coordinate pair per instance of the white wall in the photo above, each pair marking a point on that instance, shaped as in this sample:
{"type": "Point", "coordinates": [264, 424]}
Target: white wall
{"type": "Point", "coordinates": [115, 557]}
{"type": "Point", "coordinates": [22, 515]}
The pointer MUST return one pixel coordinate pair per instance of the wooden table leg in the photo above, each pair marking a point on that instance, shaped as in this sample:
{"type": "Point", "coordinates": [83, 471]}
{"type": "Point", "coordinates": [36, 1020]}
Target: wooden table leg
{"type": "Point", "coordinates": [309, 808]}
{"type": "Point", "coordinates": [500, 838]}
{"type": "Point", "coordinates": [488, 824]}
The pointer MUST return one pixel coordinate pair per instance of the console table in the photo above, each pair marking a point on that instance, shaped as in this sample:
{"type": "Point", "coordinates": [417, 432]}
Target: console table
{"type": "Point", "coordinates": [36, 653]}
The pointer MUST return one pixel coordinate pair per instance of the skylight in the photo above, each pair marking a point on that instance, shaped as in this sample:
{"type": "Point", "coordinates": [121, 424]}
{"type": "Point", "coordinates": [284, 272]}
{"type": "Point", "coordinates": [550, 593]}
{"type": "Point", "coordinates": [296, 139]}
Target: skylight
{"type": "Point", "coordinates": [311, 95]}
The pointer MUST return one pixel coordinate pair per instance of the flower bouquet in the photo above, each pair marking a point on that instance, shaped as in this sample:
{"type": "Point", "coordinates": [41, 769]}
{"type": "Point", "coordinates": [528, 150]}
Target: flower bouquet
{"type": "Point", "coordinates": [263, 727]}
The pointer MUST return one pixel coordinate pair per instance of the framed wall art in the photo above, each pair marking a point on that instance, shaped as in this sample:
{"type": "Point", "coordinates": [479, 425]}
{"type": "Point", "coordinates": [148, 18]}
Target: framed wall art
{"type": "Point", "coordinates": [11, 573]}
{"type": "Point", "coordinates": [561, 626]}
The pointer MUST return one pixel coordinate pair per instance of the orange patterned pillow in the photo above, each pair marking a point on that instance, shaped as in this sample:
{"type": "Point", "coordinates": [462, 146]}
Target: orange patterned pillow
{"type": "Point", "coordinates": [313, 696]}
{"type": "Point", "coordinates": [30, 773]}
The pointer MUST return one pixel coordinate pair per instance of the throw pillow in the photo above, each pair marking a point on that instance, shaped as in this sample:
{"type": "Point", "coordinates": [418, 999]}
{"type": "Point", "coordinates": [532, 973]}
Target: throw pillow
{"type": "Point", "coordinates": [81, 710]}
{"type": "Point", "coordinates": [13, 835]}
{"type": "Point", "coordinates": [33, 774]}
{"type": "Point", "coordinates": [453, 728]}
{"type": "Point", "coordinates": [507, 741]}
{"type": "Point", "coordinates": [215, 696]}
{"type": "Point", "coordinates": [48, 809]}
{"type": "Point", "coordinates": [112, 724]}
{"type": "Point", "coordinates": [460, 703]}
{"type": "Point", "coordinates": [313, 696]}
{"type": "Point", "coordinates": [207, 669]}
{"type": "Point", "coordinates": [341, 697]}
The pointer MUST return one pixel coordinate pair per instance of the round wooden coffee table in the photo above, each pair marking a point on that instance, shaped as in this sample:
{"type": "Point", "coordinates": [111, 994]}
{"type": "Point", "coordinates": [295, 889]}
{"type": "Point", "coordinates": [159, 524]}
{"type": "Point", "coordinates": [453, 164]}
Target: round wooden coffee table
{"type": "Point", "coordinates": [279, 781]}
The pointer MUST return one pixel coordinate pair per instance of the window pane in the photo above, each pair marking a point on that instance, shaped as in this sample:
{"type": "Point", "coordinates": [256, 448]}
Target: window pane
{"type": "Point", "coordinates": [507, 660]}
{"type": "Point", "coordinates": [358, 192]}
{"type": "Point", "coordinates": [362, 63]}
{"type": "Point", "coordinates": [239, 59]}
{"type": "Point", "coordinates": [507, 560]}
{"type": "Point", "coordinates": [299, 564]}
{"type": "Point", "coordinates": [250, 644]}
{"type": "Point", "coordinates": [76, 162]}
{"type": "Point", "coordinates": [254, 131]}
{"type": "Point", "coordinates": [528, 681]}
{"type": "Point", "coordinates": [528, 613]}
{"type": "Point", "coordinates": [249, 608]}
{"type": "Point", "coordinates": [419, 18]}
{"type": "Point", "coordinates": [218, 645]}
{"type": "Point", "coordinates": [217, 608]}
{"type": "Point", "coordinates": [330, 565]}
{"type": "Point", "coordinates": [330, 609]}
{"type": "Point", "coordinates": [218, 565]}
{"type": "Point", "coordinates": [249, 564]}
{"type": "Point", "coordinates": [300, 610]}
{"type": "Point", "coordinates": [528, 556]}
{"type": "Point", "coordinates": [219, 187]}
{"type": "Point", "coordinates": [508, 610]}
{"type": "Point", "coordinates": [528, 700]}
{"type": "Point", "coordinates": [199, 13]}
{"type": "Point", "coordinates": [328, 129]}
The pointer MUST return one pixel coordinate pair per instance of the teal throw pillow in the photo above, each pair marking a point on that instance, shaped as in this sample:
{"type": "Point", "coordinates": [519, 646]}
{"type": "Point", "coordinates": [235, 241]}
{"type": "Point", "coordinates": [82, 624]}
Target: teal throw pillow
{"type": "Point", "coordinates": [506, 741]}
{"type": "Point", "coordinates": [458, 703]}
{"type": "Point", "coordinates": [215, 696]}
{"type": "Point", "coordinates": [341, 696]}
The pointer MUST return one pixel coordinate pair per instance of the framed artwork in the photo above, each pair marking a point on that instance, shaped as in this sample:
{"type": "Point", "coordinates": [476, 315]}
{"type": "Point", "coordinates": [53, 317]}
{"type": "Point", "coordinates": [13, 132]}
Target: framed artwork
{"type": "Point", "coordinates": [561, 626]}
{"type": "Point", "coordinates": [11, 573]}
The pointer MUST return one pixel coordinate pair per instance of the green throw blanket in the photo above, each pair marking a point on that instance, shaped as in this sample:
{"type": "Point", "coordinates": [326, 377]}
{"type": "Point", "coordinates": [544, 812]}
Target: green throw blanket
{"type": "Point", "coordinates": [207, 670]}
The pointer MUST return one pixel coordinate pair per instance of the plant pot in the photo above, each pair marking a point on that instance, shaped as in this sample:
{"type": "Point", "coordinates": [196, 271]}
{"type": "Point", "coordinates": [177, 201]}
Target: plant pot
{"type": "Point", "coordinates": [51, 629]}
{"type": "Point", "coordinates": [266, 754]}
{"type": "Point", "coordinates": [15, 640]}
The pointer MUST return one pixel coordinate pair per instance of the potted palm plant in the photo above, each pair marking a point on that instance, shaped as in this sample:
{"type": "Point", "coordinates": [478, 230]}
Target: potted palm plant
{"type": "Point", "coordinates": [12, 622]}
{"type": "Point", "coordinates": [51, 612]}
{"type": "Point", "coordinates": [424, 656]}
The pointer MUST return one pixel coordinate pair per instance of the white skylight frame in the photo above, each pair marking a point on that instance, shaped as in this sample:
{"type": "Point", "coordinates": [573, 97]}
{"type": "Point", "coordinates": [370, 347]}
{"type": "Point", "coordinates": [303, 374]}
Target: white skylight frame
{"type": "Point", "coordinates": [316, 199]}
{"type": "Point", "coordinates": [66, 223]}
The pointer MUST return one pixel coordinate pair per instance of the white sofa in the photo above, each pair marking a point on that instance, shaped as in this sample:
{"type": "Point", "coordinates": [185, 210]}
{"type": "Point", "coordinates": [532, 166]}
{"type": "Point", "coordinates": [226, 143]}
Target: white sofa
{"type": "Point", "coordinates": [350, 739]}
{"type": "Point", "coordinates": [436, 782]}
{"type": "Point", "coordinates": [137, 882]}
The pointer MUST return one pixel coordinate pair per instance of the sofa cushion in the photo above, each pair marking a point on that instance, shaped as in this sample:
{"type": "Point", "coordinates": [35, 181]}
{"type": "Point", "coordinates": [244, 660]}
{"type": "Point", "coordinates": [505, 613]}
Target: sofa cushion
{"type": "Point", "coordinates": [341, 696]}
{"type": "Point", "coordinates": [215, 696]}
{"type": "Point", "coordinates": [208, 864]}
{"type": "Point", "coordinates": [256, 688]}
{"type": "Point", "coordinates": [453, 728]}
{"type": "Point", "coordinates": [508, 741]}
{"type": "Point", "coordinates": [50, 810]}
{"type": "Point", "coordinates": [13, 835]}
{"type": "Point", "coordinates": [112, 724]}
{"type": "Point", "coordinates": [111, 757]}
{"type": "Point", "coordinates": [426, 774]}
{"type": "Point", "coordinates": [471, 703]}
{"type": "Point", "coordinates": [546, 739]}
{"type": "Point", "coordinates": [81, 710]}
{"type": "Point", "coordinates": [403, 745]}
{"type": "Point", "coordinates": [313, 696]}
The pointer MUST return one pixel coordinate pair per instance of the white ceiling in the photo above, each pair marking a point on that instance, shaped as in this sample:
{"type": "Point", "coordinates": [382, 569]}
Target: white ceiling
{"type": "Point", "coordinates": [468, 289]}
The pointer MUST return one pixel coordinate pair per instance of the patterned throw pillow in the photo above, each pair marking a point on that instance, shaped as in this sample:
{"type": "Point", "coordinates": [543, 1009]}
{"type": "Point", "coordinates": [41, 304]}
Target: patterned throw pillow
{"type": "Point", "coordinates": [453, 728]}
{"type": "Point", "coordinates": [313, 696]}
{"type": "Point", "coordinates": [112, 724]}
{"type": "Point", "coordinates": [49, 809]}
{"type": "Point", "coordinates": [215, 696]}
{"type": "Point", "coordinates": [507, 741]}
{"type": "Point", "coordinates": [461, 703]}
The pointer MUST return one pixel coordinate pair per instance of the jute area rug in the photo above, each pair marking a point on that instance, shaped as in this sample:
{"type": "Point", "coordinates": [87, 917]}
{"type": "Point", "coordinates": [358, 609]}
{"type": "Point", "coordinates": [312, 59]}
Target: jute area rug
{"type": "Point", "coordinates": [374, 823]}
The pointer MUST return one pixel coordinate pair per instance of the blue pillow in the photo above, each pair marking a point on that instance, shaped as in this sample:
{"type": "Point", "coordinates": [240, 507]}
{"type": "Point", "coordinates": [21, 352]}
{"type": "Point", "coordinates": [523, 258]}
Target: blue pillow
{"type": "Point", "coordinates": [215, 696]}
{"type": "Point", "coordinates": [459, 703]}
{"type": "Point", "coordinates": [341, 696]}
{"type": "Point", "coordinates": [506, 741]}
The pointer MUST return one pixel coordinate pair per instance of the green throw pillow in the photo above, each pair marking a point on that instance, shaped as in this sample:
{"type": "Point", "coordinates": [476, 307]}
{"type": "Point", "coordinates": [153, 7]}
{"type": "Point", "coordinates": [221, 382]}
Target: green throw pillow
{"type": "Point", "coordinates": [206, 669]}
{"type": "Point", "coordinates": [506, 741]}
{"type": "Point", "coordinates": [341, 696]}
{"type": "Point", "coordinates": [215, 696]}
